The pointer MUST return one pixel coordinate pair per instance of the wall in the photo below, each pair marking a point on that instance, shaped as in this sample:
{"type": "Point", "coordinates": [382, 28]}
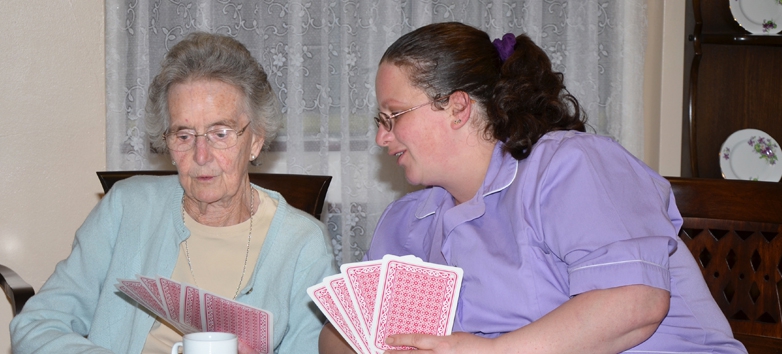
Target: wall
{"type": "Point", "coordinates": [663, 86]}
{"type": "Point", "coordinates": [52, 114]}
{"type": "Point", "coordinates": [52, 132]}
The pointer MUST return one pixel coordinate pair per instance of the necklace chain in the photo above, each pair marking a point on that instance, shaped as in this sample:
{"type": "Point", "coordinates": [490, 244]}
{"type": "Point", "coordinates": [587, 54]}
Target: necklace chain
{"type": "Point", "coordinates": [246, 254]}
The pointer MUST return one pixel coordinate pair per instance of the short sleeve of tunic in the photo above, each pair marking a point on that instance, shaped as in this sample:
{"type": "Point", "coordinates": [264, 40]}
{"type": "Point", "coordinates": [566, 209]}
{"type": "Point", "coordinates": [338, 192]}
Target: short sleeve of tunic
{"type": "Point", "coordinates": [604, 214]}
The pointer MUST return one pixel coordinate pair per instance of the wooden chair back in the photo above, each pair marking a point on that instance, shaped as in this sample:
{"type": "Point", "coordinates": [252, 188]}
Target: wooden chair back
{"type": "Point", "coordinates": [734, 230]}
{"type": "Point", "coordinates": [15, 288]}
{"type": "Point", "coordinates": [305, 192]}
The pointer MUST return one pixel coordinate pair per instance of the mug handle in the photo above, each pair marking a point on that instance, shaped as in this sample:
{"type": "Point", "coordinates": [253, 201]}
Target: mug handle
{"type": "Point", "coordinates": [175, 348]}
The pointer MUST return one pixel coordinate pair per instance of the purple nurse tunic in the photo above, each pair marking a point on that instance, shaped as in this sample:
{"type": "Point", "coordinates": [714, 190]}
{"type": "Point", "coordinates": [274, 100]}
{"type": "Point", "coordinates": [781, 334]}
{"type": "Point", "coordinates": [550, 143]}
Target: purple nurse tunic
{"type": "Point", "coordinates": [580, 213]}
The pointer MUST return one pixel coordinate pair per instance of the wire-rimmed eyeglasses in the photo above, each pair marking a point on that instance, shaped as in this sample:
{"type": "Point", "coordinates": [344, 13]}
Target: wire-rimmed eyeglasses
{"type": "Point", "coordinates": [387, 121]}
{"type": "Point", "coordinates": [220, 138]}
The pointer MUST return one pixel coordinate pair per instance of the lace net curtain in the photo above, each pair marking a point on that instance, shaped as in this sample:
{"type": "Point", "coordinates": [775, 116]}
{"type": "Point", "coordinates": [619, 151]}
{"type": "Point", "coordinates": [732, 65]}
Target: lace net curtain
{"type": "Point", "coordinates": [321, 57]}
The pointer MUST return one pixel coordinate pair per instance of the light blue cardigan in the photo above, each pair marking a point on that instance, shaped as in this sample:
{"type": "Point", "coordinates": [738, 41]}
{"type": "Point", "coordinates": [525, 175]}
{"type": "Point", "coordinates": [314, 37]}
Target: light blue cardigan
{"type": "Point", "coordinates": [136, 229]}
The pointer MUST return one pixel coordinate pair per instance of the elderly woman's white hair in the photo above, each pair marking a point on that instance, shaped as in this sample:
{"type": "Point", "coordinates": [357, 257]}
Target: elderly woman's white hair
{"type": "Point", "coordinates": [215, 57]}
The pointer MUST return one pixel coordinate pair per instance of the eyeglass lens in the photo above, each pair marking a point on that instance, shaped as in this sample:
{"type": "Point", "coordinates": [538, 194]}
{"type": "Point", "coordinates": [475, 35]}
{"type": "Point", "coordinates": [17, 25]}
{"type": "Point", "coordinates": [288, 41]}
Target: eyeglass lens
{"type": "Point", "coordinates": [388, 121]}
{"type": "Point", "coordinates": [384, 120]}
{"type": "Point", "coordinates": [184, 140]}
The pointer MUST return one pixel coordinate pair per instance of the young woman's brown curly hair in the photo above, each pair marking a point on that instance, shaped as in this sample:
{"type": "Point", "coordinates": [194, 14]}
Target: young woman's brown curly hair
{"type": "Point", "coordinates": [523, 97]}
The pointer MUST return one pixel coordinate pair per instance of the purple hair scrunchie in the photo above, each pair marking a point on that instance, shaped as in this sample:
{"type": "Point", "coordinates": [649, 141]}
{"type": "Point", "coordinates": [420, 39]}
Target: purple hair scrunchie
{"type": "Point", "coordinates": [505, 45]}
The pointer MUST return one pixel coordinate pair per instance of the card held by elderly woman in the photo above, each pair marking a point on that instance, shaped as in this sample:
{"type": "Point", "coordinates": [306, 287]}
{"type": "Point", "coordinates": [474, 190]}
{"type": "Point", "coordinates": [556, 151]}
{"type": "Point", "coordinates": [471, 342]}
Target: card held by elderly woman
{"type": "Point", "coordinates": [213, 313]}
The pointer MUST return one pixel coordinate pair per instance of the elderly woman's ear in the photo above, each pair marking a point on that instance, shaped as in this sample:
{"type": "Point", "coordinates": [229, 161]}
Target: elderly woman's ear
{"type": "Point", "coordinates": [257, 147]}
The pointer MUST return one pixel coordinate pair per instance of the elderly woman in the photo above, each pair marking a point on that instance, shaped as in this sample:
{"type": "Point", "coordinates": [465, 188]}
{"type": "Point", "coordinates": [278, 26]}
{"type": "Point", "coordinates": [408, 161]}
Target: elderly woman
{"type": "Point", "coordinates": [212, 108]}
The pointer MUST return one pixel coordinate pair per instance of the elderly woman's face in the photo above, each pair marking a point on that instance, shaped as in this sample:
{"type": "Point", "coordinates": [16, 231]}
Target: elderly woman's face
{"type": "Point", "coordinates": [207, 174]}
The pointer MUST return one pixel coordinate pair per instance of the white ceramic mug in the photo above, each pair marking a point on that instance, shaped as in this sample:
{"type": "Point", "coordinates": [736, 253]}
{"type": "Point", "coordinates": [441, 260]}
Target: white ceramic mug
{"type": "Point", "coordinates": [207, 343]}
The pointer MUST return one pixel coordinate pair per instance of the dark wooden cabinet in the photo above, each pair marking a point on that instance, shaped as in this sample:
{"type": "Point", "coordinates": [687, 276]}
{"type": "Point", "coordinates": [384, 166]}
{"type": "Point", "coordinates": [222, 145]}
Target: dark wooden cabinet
{"type": "Point", "coordinates": [735, 82]}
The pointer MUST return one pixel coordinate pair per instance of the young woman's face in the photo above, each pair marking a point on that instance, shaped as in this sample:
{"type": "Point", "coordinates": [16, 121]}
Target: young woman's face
{"type": "Point", "coordinates": [417, 138]}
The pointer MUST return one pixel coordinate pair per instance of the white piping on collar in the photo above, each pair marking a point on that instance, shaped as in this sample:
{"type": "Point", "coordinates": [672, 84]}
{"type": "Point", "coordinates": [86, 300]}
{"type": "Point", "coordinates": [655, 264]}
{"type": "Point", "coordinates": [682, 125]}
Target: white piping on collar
{"type": "Point", "coordinates": [510, 181]}
{"type": "Point", "coordinates": [429, 195]}
{"type": "Point", "coordinates": [515, 172]}
{"type": "Point", "coordinates": [424, 216]}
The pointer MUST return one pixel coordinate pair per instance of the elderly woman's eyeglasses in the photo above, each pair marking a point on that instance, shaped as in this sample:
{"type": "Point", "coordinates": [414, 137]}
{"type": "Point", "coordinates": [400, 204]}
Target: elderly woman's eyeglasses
{"type": "Point", "coordinates": [387, 121]}
{"type": "Point", "coordinates": [220, 138]}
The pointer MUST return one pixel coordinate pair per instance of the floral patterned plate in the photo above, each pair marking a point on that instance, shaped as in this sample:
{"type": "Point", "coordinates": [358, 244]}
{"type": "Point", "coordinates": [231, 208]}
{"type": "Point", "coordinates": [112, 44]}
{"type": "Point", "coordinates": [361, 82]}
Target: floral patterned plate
{"type": "Point", "coordinates": [758, 16]}
{"type": "Point", "coordinates": [750, 154]}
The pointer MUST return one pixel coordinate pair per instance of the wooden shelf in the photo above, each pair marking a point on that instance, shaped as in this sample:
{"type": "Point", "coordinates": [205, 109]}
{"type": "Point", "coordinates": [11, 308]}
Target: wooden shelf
{"type": "Point", "coordinates": [739, 39]}
{"type": "Point", "coordinates": [733, 84]}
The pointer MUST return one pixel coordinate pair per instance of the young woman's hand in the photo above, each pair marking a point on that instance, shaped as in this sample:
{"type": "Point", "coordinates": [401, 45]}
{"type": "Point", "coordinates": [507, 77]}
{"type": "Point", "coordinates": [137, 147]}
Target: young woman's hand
{"type": "Point", "coordinates": [456, 343]}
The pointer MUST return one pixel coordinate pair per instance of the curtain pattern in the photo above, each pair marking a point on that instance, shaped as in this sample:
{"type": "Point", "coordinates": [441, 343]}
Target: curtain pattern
{"type": "Point", "coordinates": [321, 58]}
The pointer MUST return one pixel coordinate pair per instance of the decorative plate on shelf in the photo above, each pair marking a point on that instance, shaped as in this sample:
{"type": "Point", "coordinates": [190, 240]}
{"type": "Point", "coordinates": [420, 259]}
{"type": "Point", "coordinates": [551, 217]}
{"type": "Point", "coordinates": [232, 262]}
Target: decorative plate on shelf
{"type": "Point", "coordinates": [758, 16]}
{"type": "Point", "coordinates": [750, 154]}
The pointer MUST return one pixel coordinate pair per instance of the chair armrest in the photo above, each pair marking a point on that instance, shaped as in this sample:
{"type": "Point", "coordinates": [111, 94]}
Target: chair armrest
{"type": "Point", "coordinates": [17, 290]}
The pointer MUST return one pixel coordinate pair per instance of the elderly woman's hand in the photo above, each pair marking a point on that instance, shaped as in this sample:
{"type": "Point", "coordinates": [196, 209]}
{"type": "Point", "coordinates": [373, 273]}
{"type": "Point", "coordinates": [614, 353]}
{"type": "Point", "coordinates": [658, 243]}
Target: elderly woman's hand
{"type": "Point", "coordinates": [456, 343]}
{"type": "Point", "coordinates": [246, 349]}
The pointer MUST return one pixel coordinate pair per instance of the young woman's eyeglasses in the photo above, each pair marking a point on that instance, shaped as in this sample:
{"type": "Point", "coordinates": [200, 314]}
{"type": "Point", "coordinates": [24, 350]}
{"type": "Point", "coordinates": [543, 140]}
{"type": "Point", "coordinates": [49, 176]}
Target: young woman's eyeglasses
{"type": "Point", "coordinates": [220, 138]}
{"type": "Point", "coordinates": [387, 121]}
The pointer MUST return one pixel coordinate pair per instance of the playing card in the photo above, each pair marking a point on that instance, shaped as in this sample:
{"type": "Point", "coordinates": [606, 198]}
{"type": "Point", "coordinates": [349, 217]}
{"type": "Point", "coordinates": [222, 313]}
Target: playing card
{"type": "Point", "coordinates": [154, 289]}
{"type": "Point", "coordinates": [190, 303]}
{"type": "Point", "coordinates": [339, 292]}
{"type": "Point", "coordinates": [253, 326]}
{"type": "Point", "coordinates": [322, 298]}
{"type": "Point", "coordinates": [140, 293]}
{"type": "Point", "coordinates": [361, 280]}
{"type": "Point", "coordinates": [130, 293]}
{"type": "Point", "coordinates": [171, 292]}
{"type": "Point", "coordinates": [414, 297]}
{"type": "Point", "coordinates": [196, 310]}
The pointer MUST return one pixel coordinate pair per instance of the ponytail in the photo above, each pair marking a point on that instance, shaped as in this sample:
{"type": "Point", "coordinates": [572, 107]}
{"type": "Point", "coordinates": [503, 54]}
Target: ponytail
{"type": "Point", "coordinates": [530, 100]}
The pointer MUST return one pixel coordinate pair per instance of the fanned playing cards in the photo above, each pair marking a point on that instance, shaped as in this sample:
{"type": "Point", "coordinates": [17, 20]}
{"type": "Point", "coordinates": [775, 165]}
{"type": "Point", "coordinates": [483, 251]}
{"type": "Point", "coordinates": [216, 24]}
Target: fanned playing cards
{"type": "Point", "coordinates": [190, 309]}
{"type": "Point", "coordinates": [369, 301]}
